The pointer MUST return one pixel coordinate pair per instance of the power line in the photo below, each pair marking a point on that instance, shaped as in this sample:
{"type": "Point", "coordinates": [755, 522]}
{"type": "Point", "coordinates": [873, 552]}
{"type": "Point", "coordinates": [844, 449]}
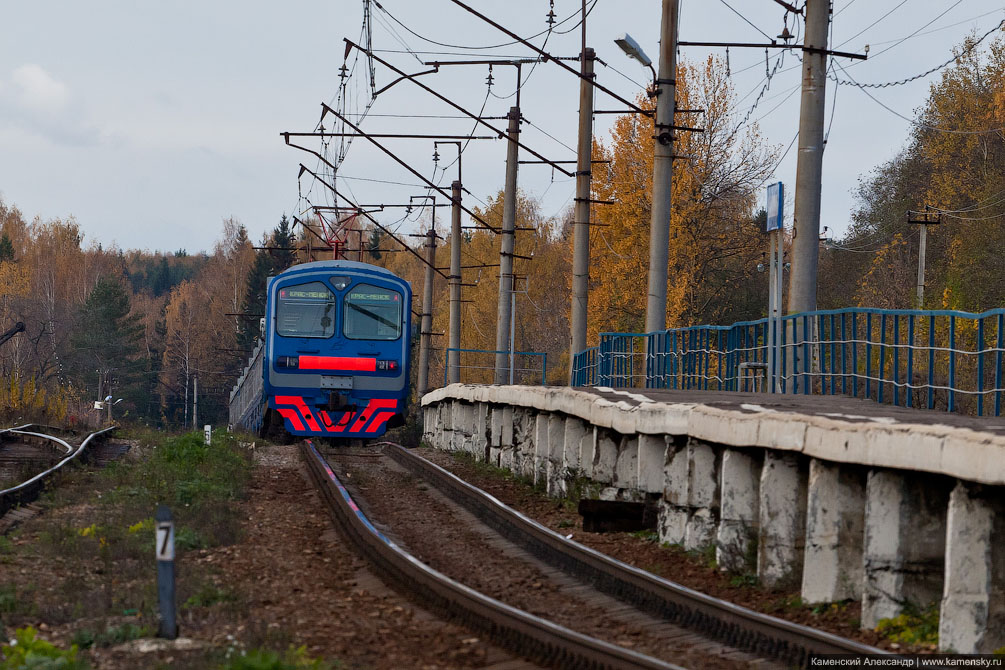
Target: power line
{"type": "Point", "coordinates": [474, 48]}
{"type": "Point", "coordinates": [901, 82]}
{"type": "Point", "coordinates": [748, 20]}
{"type": "Point", "coordinates": [898, 6]}
{"type": "Point", "coordinates": [912, 121]}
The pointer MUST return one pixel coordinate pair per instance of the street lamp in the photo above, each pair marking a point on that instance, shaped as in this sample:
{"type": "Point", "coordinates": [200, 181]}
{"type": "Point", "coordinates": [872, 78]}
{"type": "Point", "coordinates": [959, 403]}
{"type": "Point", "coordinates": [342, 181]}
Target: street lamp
{"type": "Point", "coordinates": [633, 50]}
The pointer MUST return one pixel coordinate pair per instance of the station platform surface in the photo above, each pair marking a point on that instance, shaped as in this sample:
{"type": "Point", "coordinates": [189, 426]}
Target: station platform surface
{"type": "Point", "coordinates": [842, 407]}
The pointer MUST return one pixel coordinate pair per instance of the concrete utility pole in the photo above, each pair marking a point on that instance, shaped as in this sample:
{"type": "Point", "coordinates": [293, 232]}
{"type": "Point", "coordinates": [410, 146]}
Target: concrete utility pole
{"type": "Point", "coordinates": [659, 225]}
{"type": "Point", "coordinates": [581, 225]}
{"type": "Point", "coordinates": [809, 163]}
{"type": "Point", "coordinates": [453, 360]}
{"type": "Point", "coordinates": [426, 325]}
{"type": "Point", "coordinates": [921, 266]}
{"type": "Point", "coordinates": [506, 250]}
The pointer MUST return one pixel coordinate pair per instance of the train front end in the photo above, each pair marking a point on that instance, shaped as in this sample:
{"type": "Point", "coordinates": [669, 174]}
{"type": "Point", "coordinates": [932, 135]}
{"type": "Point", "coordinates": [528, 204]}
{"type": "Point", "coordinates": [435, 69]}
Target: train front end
{"type": "Point", "coordinates": [337, 349]}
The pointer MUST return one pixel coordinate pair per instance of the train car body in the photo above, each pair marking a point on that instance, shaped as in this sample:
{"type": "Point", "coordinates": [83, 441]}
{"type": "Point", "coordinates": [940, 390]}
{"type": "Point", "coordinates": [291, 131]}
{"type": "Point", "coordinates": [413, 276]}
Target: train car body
{"type": "Point", "coordinates": [335, 360]}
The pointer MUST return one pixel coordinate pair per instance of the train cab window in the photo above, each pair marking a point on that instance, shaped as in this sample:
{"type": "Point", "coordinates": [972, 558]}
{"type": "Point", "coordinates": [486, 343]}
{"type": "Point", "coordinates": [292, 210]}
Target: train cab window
{"type": "Point", "coordinates": [305, 310]}
{"type": "Point", "coordinates": [372, 313]}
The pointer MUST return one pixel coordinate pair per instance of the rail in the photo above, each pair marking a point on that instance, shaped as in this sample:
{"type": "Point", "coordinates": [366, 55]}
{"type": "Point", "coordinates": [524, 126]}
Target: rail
{"type": "Point", "coordinates": [718, 619]}
{"type": "Point", "coordinates": [939, 359]}
{"type": "Point", "coordinates": [539, 638]}
{"type": "Point", "coordinates": [29, 488]}
{"type": "Point", "coordinates": [489, 368]}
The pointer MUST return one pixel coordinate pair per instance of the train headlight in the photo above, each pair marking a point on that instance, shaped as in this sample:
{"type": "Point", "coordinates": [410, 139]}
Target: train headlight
{"type": "Point", "coordinates": [340, 282]}
{"type": "Point", "coordinates": [387, 366]}
{"type": "Point", "coordinates": [288, 362]}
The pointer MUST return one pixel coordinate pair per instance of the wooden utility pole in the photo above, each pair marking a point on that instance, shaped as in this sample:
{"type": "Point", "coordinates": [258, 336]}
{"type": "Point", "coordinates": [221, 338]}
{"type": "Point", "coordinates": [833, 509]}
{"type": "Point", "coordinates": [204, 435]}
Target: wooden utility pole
{"type": "Point", "coordinates": [924, 219]}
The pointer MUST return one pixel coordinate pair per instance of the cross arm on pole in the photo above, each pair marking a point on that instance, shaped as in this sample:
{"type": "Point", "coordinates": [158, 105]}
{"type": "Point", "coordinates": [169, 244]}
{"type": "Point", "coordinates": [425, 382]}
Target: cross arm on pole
{"type": "Point", "coordinates": [405, 165]}
{"type": "Point", "coordinates": [545, 56]}
{"type": "Point", "coordinates": [331, 187]}
{"type": "Point", "coordinates": [475, 117]}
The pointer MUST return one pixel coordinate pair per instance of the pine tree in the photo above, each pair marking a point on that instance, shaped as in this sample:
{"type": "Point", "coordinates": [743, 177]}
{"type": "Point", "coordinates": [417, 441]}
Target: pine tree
{"type": "Point", "coordinates": [6, 249]}
{"type": "Point", "coordinates": [107, 342]}
{"type": "Point", "coordinates": [283, 240]}
{"type": "Point", "coordinates": [254, 299]}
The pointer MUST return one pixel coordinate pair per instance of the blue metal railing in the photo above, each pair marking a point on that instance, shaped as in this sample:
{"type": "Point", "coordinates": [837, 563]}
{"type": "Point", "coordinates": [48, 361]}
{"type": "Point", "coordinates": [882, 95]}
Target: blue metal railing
{"type": "Point", "coordinates": [488, 369]}
{"type": "Point", "coordinates": [928, 359]}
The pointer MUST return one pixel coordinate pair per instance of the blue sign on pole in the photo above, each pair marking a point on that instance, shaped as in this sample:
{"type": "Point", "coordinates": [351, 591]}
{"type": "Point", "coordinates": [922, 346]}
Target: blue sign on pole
{"type": "Point", "coordinates": [776, 209]}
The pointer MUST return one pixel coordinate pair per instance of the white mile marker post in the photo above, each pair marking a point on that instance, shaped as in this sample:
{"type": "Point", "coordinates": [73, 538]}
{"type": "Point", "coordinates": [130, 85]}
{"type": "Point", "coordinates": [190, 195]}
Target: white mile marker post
{"type": "Point", "coordinates": [164, 549]}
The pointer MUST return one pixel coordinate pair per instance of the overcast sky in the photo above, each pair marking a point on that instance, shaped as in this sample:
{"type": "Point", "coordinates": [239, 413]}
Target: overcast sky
{"type": "Point", "coordinates": [150, 123]}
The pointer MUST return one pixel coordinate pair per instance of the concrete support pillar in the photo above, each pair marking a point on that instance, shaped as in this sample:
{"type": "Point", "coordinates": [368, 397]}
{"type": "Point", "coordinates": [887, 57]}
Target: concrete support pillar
{"type": "Point", "coordinates": [689, 512]}
{"type": "Point", "coordinates": [605, 456]}
{"type": "Point", "coordinates": [576, 432]}
{"type": "Point", "coordinates": [429, 424]}
{"type": "Point", "coordinates": [703, 495]}
{"type": "Point", "coordinates": [626, 468]}
{"type": "Point", "coordinates": [462, 425]}
{"type": "Point", "coordinates": [781, 520]}
{"type": "Point", "coordinates": [501, 440]}
{"type": "Point", "coordinates": [972, 618]}
{"type": "Point", "coordinates": [739, 485]}
{"type": "Point", "coordinates": [835, 532]}
{"type": "Point", "coordinates": [672, 519]}
{"type": "Point", "coordinates": [524, 429]}
{"type": "Point", "coordinates": [652, 456]}
{"type": "Point", "coordinates": [905, 539]}
{"type": "Point", "coordinates": [556, 447]}
{"type": "Point", "coordinates": [445, 414]}
{"type": "Point", "coordinates": [541, 449]}
{"type": "Point", "coordinates": [588, 451]}
{"type": "Point", "coordinates": [480, 443]}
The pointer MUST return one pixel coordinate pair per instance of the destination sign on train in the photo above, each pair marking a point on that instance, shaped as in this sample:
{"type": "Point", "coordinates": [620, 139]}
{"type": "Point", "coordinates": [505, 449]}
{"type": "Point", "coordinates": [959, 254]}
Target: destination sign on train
{"type": "Point", "coordinates": [302, 294]}
{"type": "Point", "coordinates": [377, 297]}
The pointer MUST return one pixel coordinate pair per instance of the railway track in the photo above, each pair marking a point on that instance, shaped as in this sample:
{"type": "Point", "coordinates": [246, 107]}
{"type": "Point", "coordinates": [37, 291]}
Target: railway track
{"type": "Point", "coordinates": [745, 634]}
{"type": "Point", "coordinates": [27, 445]}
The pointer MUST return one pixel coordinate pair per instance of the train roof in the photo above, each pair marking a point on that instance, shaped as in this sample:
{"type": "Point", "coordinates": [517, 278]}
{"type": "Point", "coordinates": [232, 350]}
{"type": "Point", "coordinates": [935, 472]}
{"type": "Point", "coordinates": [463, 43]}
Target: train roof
{"type": "Point", "coordinates": [339, 265]}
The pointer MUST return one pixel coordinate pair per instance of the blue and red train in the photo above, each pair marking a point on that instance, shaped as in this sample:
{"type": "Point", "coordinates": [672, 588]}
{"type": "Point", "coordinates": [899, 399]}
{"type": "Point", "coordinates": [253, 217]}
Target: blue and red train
{"type": "Point", "coordinates": [335, 359]}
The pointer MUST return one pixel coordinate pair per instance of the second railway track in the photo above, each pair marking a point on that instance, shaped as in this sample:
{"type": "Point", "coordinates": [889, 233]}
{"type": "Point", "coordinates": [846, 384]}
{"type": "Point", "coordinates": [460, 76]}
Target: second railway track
{"type": "Point", "coordinates": [638, 609]}
{"type": "Point", "coordinates": [31, 457]}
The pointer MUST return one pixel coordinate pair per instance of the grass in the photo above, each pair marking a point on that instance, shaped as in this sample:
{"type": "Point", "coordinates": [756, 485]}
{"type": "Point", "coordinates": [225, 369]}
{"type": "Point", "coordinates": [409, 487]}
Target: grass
{"type": "Point", "coordinates": [85, 637]}
{"type": "Point", "coordinates": [295, 658]}
{"type": "Point", "coordinates": [27, 651]}
{"type": "Point", "coordinates": [103, 519]}
{"type": "Point", "coordinates": [915, 625]}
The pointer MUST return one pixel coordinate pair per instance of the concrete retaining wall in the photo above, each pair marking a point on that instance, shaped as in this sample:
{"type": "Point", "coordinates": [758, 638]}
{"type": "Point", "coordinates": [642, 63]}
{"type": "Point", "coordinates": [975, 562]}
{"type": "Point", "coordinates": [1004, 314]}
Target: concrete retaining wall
{"type": "Point", "coordinates": [892, 514]}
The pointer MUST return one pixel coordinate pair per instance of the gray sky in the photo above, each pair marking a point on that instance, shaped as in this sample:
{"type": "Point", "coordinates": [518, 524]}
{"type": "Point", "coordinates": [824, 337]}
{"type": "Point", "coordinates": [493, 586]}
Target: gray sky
{"type": "Point", "coordinates": [152, 122]}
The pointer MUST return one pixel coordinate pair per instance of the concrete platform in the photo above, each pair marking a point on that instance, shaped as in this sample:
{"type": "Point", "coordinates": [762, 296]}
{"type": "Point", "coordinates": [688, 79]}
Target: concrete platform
{"type": "Point", "coordinates": [848, 498]}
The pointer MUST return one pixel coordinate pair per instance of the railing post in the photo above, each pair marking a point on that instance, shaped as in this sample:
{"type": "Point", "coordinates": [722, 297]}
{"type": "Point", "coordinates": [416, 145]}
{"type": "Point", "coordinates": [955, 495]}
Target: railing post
{"type": "Point", "coordinates": [910, 360]}
{"type": "Point", "coordinates": [980, 367]}
{"type": "Point", "coordinates": [952, 363]}
{"type": "Point", "coordinates": [999, 341]}
{"type": "Point", "coordinates": [931, 362]}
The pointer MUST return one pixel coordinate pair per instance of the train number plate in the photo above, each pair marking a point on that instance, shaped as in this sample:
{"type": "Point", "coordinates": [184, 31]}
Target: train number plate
{"type": "Point", "coordinates": [337, 383]}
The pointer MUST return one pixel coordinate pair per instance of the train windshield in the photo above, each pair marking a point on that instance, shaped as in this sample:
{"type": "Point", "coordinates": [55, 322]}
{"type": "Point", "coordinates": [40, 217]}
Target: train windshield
{"type": "Point", "coordinates": [372, 313]}
{"type": "Point", "coordinates": [306, 310]}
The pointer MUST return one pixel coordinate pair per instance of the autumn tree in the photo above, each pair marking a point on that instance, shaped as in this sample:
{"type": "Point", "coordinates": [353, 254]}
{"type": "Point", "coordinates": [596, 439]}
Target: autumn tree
{"type": "Point", "coordinates": [715, 239]}
{"type": "Point", "coordinates": [954, 162]}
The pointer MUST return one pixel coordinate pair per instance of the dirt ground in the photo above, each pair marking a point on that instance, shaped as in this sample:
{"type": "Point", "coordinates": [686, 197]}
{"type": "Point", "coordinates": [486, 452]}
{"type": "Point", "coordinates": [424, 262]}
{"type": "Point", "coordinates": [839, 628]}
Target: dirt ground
{"type": "Point", "coordinates": [696, 571]}
{"type": "Point", "coordinates": [287, 581]}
